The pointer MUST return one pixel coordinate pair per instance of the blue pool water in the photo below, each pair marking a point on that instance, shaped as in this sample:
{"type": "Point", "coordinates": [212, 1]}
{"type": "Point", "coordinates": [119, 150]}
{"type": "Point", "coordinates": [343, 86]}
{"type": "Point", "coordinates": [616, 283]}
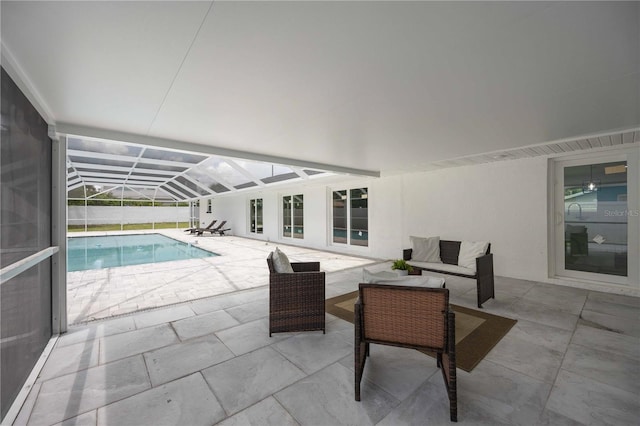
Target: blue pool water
{"type": "Point", "coordinates": [124, 250]}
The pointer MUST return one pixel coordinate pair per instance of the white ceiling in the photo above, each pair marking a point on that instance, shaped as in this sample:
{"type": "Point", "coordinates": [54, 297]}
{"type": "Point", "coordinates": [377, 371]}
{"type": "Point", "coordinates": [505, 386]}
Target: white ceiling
{"type": "Point", "coordinates": [382, 86]}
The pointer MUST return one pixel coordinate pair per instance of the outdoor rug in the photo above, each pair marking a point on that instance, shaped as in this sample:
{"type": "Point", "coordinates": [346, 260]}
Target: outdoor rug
{"type": "Point", "coordinates": [476, 331]}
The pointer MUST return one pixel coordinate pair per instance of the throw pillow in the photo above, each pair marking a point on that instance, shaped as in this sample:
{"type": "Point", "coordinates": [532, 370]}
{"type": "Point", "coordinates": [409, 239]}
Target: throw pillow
{"type": "Point", "coordinates": [469, 250]}
{"type": "Point", "coordinates": [425, 249]}
{"type": "Point", "coordinates": [281, 262]}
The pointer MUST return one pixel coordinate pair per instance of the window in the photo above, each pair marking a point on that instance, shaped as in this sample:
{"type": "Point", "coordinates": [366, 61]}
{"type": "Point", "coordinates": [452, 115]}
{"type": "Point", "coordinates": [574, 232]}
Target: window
{"type": "Point", "coordinates": [209, 205]}
{"type": "Point", "coordinates": [293, 216]}
{"type": "Point", "coordinates": [255, 215]}
{"type": "Point", "coordinates": [351, 217]}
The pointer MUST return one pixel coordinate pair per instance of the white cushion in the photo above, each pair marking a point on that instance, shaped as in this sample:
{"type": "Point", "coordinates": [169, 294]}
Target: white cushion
{"type": "Point", "coordinates": [281, 262]}
{"type": "Point", "coordinates": [469, 251]}
{"type": "Point", "coordinates": [445, 267]}
{"type": "Point", "coordinates": [425, 249]}
{"type": "Point", "coordinates": [390, 278]}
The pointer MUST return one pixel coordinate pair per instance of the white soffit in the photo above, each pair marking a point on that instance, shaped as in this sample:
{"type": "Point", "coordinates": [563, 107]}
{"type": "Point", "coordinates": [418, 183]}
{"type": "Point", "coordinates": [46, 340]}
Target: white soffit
{"type": "Point", "coordinates": [604, 141]}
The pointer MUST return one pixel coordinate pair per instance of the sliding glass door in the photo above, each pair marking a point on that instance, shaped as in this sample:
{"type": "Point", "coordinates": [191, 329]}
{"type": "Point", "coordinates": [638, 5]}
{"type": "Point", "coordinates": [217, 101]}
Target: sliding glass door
{"type": "Point", "coordinates": [351, 217]}
{"type": "Point", "coordinates": [593, 215]}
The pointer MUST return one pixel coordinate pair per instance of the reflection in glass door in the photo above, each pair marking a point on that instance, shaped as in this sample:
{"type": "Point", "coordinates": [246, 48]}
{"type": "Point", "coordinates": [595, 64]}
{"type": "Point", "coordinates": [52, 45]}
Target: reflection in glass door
{"type": "Point", "coordinates": [596, 218]}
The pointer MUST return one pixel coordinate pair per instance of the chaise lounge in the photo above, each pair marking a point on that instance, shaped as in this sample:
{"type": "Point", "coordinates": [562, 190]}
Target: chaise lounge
{"type": "Point", "coordinates": [195, 229]}
{"type": "Point", "coordinates": [217, 230]}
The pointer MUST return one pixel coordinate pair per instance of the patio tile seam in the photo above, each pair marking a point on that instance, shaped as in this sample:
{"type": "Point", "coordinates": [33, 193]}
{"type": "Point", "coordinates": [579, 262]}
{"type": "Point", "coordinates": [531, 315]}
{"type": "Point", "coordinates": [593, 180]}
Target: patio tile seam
{"type": "Point", "coordinates": [150, 309]}
{"type": "Point", "coordinates": [226, 414]}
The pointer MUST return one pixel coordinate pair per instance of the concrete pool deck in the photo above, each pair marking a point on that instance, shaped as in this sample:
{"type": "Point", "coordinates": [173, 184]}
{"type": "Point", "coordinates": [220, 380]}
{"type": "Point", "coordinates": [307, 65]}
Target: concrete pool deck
{"type": "Point", "coordinates": [102, 293]}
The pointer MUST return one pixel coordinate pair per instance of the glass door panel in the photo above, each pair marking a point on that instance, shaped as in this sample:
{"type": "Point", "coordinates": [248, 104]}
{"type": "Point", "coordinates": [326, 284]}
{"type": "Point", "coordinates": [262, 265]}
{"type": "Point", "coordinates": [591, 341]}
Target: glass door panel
{"type": "Point", "coordinates": [595, 218]}
{"type": "Point", "coordinates": [340, 217]}
{"type": "Point", "coordinates": [286, 216]}
{"type": "Point", "coordinates": [252, 215]}
{"type": "Point", "coordinates": [359, 217]}
{"type": "Point", "coordinates": [258, 218]}
{"type": "Point", "coordinates": [298, 216]}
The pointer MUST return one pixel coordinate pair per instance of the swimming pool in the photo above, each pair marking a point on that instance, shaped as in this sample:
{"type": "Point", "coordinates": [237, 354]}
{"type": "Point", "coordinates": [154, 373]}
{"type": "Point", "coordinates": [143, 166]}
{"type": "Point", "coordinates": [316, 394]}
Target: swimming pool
{"type": "Point", "coordinates": [85, 253]}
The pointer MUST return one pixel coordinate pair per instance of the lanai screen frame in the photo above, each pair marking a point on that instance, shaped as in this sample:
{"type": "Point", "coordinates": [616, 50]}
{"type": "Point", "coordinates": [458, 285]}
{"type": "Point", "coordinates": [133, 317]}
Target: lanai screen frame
{"type": "Point", "coordinates": [173, 175]}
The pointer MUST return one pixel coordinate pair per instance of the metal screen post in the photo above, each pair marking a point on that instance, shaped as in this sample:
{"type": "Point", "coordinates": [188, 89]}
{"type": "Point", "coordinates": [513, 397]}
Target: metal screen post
{"type": "Point", "coordinates": [59, 236]}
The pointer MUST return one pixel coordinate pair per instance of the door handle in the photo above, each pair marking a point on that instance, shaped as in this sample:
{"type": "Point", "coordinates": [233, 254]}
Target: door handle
{"type": "Point", "coordinates": [559, 219]}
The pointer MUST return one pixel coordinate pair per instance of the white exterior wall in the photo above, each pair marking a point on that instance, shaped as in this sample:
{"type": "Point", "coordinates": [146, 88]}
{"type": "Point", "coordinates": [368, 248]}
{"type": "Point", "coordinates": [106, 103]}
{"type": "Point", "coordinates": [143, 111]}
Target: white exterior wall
{"type": "Point", "coordinates": [505, 203]}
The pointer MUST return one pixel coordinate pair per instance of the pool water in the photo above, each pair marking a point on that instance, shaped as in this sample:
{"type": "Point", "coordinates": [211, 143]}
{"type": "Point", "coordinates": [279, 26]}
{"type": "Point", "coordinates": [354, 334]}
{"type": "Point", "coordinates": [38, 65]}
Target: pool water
{"type": "Point", "coordinates": [124, 250]}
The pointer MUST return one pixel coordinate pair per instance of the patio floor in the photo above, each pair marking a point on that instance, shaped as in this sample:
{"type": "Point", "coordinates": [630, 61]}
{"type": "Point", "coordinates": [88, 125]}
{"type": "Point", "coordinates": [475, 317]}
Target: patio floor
{"type": "Point", "coordinates": [573, 358]}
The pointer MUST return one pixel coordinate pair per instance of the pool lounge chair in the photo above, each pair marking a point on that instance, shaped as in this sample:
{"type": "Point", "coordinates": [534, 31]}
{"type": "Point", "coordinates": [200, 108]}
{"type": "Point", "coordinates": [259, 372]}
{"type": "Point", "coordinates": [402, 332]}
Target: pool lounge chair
{"type": "Point", "coordinates": [194, 230]}
{"type": "Point", "coordinates": [220, 231]}
{"type": "Point", "coordinates": [217, 230]}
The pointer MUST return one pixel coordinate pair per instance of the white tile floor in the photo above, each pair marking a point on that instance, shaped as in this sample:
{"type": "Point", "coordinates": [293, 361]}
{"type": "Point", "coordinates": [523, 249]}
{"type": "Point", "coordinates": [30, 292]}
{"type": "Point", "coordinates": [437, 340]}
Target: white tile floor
{"type": "Point", "coordinates": [573, 358]}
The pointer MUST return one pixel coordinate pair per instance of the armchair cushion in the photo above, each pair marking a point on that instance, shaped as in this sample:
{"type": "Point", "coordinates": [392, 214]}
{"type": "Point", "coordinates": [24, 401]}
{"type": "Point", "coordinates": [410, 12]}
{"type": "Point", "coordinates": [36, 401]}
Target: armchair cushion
{"type": "Point", "coordinates": [281, 262]}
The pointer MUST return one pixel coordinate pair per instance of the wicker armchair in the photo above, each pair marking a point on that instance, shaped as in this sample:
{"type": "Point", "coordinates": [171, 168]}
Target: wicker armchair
{"type": "Point", "coordinates": [296, 301]}
{"type": "Point", "coordinates": [410, 317]}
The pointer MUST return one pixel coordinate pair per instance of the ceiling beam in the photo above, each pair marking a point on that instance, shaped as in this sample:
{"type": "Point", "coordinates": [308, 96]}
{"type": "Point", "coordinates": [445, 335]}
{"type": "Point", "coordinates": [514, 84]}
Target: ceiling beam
{"type": "Point", "coordinates": [245, 172]}
{"type": "Point", "coordinates": [112, 135]}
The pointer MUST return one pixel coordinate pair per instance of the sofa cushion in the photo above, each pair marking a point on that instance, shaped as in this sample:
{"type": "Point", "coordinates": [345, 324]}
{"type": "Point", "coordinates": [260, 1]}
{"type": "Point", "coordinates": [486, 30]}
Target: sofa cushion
{"type": "Point", "coordinates": [445, 267]}
{"type": "Point", "coordinates": [425, 249]}
{"type": "Point", "coordinates": [281, 262]}
{"type": "Point", "coordinates": [390, 278]}
{"type": "Point", "coordinates": [469, 251]}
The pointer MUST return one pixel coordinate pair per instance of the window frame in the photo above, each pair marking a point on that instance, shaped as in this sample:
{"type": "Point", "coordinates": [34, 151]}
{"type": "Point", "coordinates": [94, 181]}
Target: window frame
{"type": "Point", "coordinates": [348, 216]}
{"type": "Point", "coordinates": [292, 224]}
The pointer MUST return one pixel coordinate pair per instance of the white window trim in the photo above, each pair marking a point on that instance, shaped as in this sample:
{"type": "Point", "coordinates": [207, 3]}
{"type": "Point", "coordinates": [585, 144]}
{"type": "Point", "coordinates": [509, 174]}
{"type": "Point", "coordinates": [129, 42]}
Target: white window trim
{"type": "Point", "coordinates": [347, 245]}
{"type": "Point", "coordinates": [281, 235]}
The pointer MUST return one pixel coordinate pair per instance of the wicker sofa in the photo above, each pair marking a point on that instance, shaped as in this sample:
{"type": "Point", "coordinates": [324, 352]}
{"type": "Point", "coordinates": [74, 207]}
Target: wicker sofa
{"type": "Point", "coordinates": [449, 251]}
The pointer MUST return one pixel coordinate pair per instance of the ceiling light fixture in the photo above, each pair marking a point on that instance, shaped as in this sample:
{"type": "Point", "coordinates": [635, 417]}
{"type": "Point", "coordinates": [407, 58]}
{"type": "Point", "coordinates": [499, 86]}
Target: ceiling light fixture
{"type": "Point", "coordinates": [591, 185]}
